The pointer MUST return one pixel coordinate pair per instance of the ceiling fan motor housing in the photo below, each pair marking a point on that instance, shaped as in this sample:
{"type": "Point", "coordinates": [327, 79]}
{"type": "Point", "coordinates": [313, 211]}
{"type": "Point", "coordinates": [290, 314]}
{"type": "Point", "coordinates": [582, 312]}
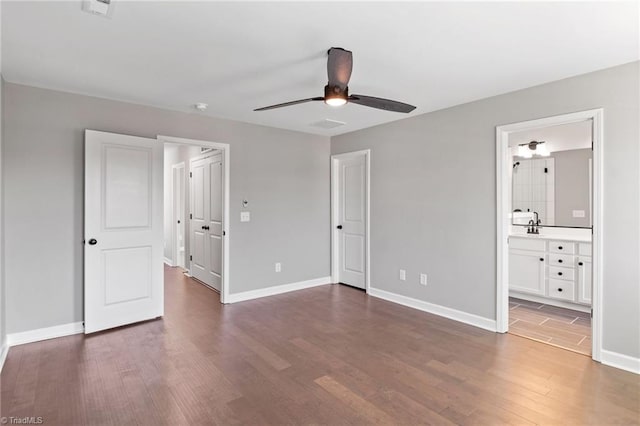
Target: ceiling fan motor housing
{"type": "Point", "coordinates": [335, 92]}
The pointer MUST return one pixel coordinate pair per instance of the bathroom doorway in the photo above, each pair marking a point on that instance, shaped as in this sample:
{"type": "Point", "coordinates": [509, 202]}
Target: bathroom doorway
{"type": "Point", "coordinates": [548, 231]}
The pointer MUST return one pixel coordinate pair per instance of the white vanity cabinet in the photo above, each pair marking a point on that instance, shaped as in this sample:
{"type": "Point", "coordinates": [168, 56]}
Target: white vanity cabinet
{"type": "Point", "coordinates": [526, 272]}
{"type": "Point", "coordinates": [553, 271]}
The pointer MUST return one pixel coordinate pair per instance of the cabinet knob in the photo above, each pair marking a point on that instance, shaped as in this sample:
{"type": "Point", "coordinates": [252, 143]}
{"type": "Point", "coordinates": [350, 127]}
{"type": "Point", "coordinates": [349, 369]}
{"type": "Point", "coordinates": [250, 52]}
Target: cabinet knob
{"type": "Point", "coordinates": [560, 290]}
{"type": "Point", "coordinates": [559, 247]}
{"type": "Point", "coordinates": [542, 259]}
{"type": "Point", "coordinates": [559, 260]}
{"type": "Point", "coordinates": [559, 273]}
{"type": "Point", "coordinates": [580, 264]}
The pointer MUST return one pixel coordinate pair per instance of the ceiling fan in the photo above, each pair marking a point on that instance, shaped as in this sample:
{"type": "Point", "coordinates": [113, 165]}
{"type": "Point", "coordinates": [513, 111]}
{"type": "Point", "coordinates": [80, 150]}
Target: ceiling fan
{"type": "Point", "coordinates": [336, 92]}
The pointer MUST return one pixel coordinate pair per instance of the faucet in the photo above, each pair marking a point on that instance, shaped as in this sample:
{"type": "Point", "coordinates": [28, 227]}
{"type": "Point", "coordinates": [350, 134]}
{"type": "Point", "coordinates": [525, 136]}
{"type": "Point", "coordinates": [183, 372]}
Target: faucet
{"type": "Point", "coordinates": [533, 225]}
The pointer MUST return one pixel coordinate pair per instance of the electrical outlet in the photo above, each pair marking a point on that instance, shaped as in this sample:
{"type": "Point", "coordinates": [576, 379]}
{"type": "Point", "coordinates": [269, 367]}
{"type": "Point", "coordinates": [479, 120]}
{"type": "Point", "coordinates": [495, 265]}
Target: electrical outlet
{"type": "Point", "coordinates": [278, 267]}
{"type": "Point", "coordinates": [423, 279]}
{"type": "Point", "coordinates": [403, 275]}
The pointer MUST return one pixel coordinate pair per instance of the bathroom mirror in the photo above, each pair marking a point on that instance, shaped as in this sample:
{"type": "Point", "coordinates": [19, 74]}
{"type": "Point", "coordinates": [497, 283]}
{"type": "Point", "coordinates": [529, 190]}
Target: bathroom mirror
{"type": "Point", "coordinates": [551, 178]}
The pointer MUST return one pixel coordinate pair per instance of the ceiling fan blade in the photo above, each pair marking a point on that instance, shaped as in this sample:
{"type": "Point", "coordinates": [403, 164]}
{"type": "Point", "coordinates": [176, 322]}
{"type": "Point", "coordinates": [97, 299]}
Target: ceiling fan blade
{"type": "Point", "coordinates": [380, 103]}
{"type": "Point", "coordinates": [339, 66]}
{"type": "Point", "coordinates": [286, 104]}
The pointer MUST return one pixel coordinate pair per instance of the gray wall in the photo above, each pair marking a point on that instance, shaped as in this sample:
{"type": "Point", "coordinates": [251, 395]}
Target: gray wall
{"type": "Point", "coordinates": [284, 175]}
{"type": "Point", "coordinates": [433, 197]}
{"type": "Point", "coordinates": [3, 322]}
{"type": "Point", "coordinates": [572, 187]}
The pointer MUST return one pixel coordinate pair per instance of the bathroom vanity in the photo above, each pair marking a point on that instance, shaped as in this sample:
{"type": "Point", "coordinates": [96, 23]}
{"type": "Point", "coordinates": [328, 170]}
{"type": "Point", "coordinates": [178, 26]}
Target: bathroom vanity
{"type": "Point", "coordinates": [551, 269]}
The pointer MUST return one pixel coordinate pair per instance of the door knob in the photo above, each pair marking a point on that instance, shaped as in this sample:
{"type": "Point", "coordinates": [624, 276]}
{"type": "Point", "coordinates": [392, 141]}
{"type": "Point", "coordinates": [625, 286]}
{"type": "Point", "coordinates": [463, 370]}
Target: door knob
{"type": "Point", "coordinates": [178, 220]}
{"type": "Point", "coordinates": [93, 242]}
{"type": "Point", "coordinates": [339, 226]}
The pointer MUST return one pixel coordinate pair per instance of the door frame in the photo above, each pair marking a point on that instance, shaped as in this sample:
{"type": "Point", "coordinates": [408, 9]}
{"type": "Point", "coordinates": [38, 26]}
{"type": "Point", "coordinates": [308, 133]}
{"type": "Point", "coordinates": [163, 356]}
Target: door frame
{"type": "Point", "coordinates": [335, 247]}
{"type": "Point", "coordinates": [175, 169]}
{"type": "Point", "coordinates": [503, 164]}
{"type": "Point", "coordinates": [226, 225]}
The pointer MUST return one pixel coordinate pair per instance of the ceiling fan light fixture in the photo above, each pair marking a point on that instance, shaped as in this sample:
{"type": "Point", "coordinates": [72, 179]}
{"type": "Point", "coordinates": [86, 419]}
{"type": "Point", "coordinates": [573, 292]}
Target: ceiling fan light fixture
{"type": "Point", "coordinates": [335, 96]}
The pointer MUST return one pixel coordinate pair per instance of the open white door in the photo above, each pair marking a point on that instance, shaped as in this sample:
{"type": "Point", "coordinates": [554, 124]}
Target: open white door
{"type": "Point", "coordinates": [123, 253]}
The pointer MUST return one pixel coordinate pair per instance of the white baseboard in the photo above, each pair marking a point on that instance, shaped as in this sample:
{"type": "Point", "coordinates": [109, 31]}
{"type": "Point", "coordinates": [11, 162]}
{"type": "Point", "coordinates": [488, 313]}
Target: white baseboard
{"type": "Point", "coordinates": [37, 335]}
{"type": "Point", "coordinates": [279, 289]}
{"type": "Point", "coordinates": [168, 261]}
{"type": "Point", "coordinates": [3, 355]}
{"type": "Point", "coordinates": [443, 311]}
{"type": "Point", "coordinates": [617, 360]}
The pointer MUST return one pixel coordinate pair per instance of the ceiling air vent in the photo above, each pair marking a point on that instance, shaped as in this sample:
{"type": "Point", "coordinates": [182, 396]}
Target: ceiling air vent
{"type": "Point", "coordinates": [328, 124]}
{"type": "Point", "coordinates": [98, 7]}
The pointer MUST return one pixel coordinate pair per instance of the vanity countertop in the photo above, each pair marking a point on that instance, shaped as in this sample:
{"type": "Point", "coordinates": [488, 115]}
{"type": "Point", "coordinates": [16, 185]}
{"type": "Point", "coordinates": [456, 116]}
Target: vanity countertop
{"type": "Point", "coordinates": [562, 237]}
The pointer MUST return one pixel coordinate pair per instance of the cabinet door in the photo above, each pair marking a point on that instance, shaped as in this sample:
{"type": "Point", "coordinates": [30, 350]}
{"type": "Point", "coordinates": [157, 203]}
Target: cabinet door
{"type": "Point", "coordinates": [584, 280]}
{"type": "Point", "coordinates": [526, 271]}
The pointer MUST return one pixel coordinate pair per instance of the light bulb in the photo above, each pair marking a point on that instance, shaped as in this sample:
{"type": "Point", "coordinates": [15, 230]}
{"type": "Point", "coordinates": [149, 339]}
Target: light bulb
{"type": "Point", "coordinates": [335, 102]}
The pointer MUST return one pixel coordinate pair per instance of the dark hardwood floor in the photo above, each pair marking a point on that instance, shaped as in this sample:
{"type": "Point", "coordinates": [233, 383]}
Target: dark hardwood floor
{"type": "Point", "coordinates": [327, 355]}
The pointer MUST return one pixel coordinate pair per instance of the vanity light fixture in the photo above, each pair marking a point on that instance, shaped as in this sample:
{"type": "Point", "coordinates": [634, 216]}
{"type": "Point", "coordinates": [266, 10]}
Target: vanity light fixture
{"type": "Point", "coordinates": [528, 150]}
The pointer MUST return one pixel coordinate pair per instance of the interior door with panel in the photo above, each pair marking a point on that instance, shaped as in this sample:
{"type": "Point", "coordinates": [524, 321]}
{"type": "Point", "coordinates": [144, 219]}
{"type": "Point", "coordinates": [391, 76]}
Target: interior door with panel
{"type": "Point", "coordinates": [351, 222]}
{"type": "Point", "coordinates": [206, 220]}
{"type": "Point", "coordinates": [179, 213]}
{"type": "Point", "coordinates": [214, 227]}
{"type": "Point", "coordinates": [123, 252]}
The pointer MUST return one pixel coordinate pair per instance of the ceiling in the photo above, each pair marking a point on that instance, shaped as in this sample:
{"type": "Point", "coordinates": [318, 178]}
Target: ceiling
{"type": "Point", "coordinates": [563, 137]}
{"type": "Point", "coordinates": [237, 56]}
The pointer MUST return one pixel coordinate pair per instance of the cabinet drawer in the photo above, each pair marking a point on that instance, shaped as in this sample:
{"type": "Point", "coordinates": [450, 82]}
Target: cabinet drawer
{"type": "Point", "coordinates": [561, 260]}
{"type": "Point", "coordinates": [561, 273]}
{"type": "Point", "coordinates": [562, 247]}
{"type": "Point", "coordinates": [559, 289]}
{"type": "Point", "coordinates": [584, 249]}
{"type": "Point", "coordinates": [526, 244]}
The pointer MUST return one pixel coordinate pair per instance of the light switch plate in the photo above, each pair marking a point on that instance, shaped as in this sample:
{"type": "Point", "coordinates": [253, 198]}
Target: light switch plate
{"type": "Point", "coordinates": [245, 216]}
{"type": "Point", "coordinates": [578, 213]}
{"type": "Point", "coordinates": [403, 274]}
{"type": "Point", "coordinates": [423, 279]}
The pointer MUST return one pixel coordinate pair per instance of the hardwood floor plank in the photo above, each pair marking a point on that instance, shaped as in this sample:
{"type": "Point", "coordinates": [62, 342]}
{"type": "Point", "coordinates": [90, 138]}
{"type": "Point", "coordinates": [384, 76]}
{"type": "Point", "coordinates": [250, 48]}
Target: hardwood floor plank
{"type": "Point", "coordinates": [328, 355]}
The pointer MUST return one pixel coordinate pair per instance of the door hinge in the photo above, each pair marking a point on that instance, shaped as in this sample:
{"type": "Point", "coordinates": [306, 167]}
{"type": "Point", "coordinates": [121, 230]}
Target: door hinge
{"type": "Point", "coordinates": [190, 215]}
{"type": "Point", "coordinates": [190, 174]}
{"type": "Point", "coordinates": [591, 313]}
{"type": "Point", "coordinates": [591, 145]}
{"type": "Point", "coordinates": [546, 170]}
{"type": "Point", "coordinates": [190, 257]}
{"type": "Point", "coordinates": [224, 233]}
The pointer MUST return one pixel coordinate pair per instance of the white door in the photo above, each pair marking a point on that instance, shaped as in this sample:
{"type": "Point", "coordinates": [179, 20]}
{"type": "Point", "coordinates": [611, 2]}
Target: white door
{"type": "Point", "coordinates": [179, 210]}
{"type": "Point", "coordinates": [206, 220]}
{"type": "Point", "coordinates": [351, 221]}
{"type": "Point", "coordinates": [526, 272]}
{"type": "Point", "coordinates": [123, 252]}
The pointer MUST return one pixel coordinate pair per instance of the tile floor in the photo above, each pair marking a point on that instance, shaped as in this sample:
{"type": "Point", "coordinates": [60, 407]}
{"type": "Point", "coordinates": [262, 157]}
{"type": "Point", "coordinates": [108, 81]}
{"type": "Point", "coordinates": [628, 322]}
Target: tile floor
{"type": "Point", "coordinates": [560, 327]}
